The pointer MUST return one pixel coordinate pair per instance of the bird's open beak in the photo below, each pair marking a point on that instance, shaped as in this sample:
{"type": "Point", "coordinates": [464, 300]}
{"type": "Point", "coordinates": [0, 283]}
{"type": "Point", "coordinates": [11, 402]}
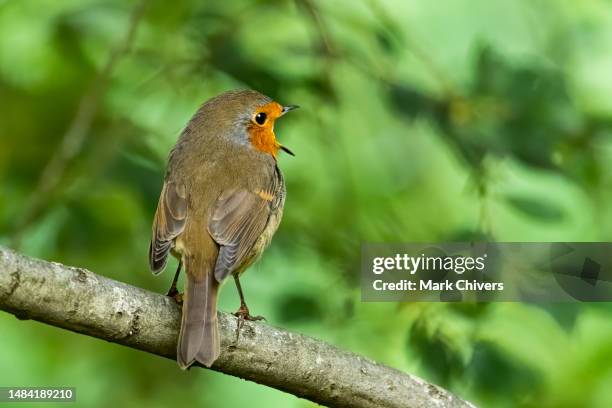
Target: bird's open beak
{"type": "Point", "coordinates": [283, 111]}
{"type": "Point", "coordinates": [288, 108]}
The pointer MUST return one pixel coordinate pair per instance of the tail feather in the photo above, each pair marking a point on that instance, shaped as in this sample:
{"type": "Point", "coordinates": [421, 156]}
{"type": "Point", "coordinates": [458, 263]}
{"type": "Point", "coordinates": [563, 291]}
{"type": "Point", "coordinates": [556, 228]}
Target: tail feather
{"type": "Point", "coordinates": [199, 336]}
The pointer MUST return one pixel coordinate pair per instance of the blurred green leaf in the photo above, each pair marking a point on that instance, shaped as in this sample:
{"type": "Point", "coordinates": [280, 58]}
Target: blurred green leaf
{"type": "Point", "coordinates": [535, 208]}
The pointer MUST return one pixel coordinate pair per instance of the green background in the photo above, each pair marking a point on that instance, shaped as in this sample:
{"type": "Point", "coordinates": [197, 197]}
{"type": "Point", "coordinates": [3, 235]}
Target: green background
{"type": "Point", "coordinates": [421, 121]}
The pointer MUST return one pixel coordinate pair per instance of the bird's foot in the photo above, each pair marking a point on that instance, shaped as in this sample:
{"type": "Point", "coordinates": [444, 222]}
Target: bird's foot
{"type": "Point", "coordinates": [174, 294]}
{"type": "Point", "coordinates": [243, 314]}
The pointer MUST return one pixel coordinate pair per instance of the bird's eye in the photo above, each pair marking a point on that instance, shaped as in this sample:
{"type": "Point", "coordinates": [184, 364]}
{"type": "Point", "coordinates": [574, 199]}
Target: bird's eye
{"type": "Point", "coordinates": [260, 118]}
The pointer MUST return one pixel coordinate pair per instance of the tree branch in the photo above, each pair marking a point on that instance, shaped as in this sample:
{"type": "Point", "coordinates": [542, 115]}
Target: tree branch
{"type": "Point", "coordinates": [81, 301]}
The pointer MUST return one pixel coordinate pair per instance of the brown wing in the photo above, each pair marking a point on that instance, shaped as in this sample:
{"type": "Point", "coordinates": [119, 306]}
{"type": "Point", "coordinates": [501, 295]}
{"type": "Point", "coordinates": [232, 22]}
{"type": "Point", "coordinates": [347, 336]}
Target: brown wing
{"type": "Point", "coordinates": [239, 218]}
{"type": "Point", "coordinates": [169, 222]}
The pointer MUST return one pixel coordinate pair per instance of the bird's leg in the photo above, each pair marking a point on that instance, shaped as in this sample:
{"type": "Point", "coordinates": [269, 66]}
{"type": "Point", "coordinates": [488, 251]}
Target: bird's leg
{"type": "Point", "coordinates": [243, 312]}
{"type": "Point", "coordinates": [173, 292]}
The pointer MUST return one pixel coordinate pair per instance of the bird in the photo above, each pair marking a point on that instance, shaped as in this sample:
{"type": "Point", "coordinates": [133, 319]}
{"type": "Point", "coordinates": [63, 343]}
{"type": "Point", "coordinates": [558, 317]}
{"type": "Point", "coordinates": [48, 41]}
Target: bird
{"type": "Point", "coordinates": [221, 202]}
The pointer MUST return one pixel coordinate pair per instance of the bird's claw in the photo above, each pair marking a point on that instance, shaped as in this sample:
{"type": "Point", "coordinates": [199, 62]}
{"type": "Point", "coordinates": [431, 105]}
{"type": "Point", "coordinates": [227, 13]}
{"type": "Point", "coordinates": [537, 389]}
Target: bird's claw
{"type": "Point", "coordinates": [243, 314]}
{"type": "Point", "coordinates": [174, 294]}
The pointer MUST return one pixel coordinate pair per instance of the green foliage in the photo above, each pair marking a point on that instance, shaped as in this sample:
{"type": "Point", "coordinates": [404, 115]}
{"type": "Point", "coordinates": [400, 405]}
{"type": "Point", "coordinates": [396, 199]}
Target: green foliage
{"type": "Point", "coordinates": [419, 122]}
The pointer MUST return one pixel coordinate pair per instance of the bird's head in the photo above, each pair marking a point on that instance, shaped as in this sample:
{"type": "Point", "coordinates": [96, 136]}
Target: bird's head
{"type": "Point", "coordinates": [251, 117]}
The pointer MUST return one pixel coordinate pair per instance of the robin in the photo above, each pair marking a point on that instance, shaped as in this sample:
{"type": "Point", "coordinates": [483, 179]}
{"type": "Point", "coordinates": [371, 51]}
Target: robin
{"type": "Point", "coordinates": [221, 202]}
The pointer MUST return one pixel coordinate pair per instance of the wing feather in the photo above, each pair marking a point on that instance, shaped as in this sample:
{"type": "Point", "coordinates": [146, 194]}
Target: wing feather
{"type": "Point", "coordinates": [168, 223]}
{"type": "Point", "coordinates": [238, 220]}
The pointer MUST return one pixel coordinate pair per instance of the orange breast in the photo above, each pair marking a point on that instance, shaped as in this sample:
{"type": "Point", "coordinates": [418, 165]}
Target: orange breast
{"type": "Point", "coordinates": [263, 139]}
